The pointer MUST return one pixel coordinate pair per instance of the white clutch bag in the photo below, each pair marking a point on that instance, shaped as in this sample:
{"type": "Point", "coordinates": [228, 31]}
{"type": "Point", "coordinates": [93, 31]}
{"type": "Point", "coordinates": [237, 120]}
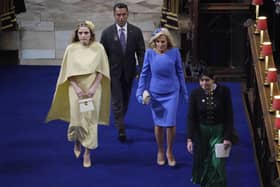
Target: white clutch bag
{"type": "Point", "coordinates": [146, 97]}
{"type": "Point", "coordinates": [86, 105]}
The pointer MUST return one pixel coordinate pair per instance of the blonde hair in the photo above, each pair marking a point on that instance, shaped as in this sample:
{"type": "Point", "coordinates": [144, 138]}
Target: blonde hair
{"type": "Point", "coordinates": [159, 32]}
{"type": "Point", "coordinates": [87, 24]}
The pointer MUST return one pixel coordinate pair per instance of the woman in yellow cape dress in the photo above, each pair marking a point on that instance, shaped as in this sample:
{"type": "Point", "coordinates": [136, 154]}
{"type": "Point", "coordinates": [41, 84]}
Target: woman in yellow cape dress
{"type": "Point", "coordinates": [84, 73]}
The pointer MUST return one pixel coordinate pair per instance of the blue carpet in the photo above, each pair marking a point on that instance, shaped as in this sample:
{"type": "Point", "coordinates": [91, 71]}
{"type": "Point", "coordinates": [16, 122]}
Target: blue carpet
{"type": "Point", "coordinates": [37, 154]}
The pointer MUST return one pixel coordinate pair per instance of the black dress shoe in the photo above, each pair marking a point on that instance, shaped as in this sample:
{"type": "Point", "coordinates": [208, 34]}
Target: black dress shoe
{"type": "Point", "coordinates": [122, 136]}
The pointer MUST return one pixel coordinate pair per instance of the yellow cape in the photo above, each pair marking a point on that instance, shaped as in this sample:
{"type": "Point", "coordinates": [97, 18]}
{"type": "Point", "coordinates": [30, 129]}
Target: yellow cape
{"type": "Point", "coordinates": [81, 60]}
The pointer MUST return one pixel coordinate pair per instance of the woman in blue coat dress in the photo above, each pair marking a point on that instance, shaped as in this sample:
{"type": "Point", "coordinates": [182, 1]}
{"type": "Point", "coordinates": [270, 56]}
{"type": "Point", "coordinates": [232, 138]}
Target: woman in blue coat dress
{"type": "Point", "coordinates": [163, 77]}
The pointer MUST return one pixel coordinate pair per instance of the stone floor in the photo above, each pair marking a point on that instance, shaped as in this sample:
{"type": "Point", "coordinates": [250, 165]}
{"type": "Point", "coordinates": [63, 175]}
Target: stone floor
{"type": "Point", "coordinates": [46, 28]}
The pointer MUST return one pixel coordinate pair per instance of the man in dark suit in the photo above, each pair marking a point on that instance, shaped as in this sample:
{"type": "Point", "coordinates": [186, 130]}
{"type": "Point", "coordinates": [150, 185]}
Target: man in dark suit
{"type": "Point", "coordinates": [122, 41]}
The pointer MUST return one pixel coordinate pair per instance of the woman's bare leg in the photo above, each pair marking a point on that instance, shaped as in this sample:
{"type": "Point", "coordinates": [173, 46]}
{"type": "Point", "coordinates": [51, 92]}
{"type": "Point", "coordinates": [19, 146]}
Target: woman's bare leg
{"type": "Point", "coordinates": [159, 135]}
{"type": "Point", "coordinates": [170, 133]}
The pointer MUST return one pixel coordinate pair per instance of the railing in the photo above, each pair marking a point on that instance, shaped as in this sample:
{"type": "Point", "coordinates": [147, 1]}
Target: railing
{"type": "Point", "coordinates": [7, 15]}
{"type": "Point", "coordinates": [170, 14]}
{"type": "Point", "coordinates": [259, 105]}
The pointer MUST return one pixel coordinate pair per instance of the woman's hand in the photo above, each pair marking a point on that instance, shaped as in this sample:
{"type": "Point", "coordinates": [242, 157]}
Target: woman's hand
{"type": "Point", "coordinates": [190, 146]}
{"type": "Point", "coordinates": [91, 91]}
{"type": "Point", "coordinates": [140, 99]}
{"type": "Point", "coordinates": [80, 93]}
{"type": "Point", "coordinates": [227, 143]}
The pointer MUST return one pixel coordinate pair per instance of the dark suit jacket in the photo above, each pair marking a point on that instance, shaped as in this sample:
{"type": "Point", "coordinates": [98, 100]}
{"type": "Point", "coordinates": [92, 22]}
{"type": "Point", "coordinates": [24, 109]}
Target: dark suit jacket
{"type": "Point", "coordinates": [120, 62]}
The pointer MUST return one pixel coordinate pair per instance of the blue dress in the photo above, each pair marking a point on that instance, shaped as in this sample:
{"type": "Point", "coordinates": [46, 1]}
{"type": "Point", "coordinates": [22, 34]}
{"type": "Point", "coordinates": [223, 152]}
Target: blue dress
{"type": "Point", "coordinates": [162, 75]}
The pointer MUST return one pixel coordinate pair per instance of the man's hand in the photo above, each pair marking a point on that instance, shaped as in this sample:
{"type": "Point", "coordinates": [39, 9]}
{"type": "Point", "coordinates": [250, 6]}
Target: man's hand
{"type": "Point", "coordinates": [190, 146]}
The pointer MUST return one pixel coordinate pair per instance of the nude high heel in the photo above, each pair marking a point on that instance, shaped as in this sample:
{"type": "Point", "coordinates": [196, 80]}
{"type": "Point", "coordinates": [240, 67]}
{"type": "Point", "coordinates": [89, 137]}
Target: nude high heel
{"type": "Point", "coordinates": [86, 161]}
{"type": "Point", "coordinates": [77, 150]}
{"type": "Point", "coordinates": [171, 161]}
{"type": "Point", "coordinates": [160, 159]}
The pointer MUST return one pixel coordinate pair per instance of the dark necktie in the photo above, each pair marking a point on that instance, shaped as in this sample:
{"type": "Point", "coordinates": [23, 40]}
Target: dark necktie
{"type": "Point", "coordinates": [122, 39]}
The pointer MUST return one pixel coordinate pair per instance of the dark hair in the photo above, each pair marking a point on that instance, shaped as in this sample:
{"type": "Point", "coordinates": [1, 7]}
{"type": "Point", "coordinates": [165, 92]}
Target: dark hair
{"type": "Point", "coordinates": [207, 73]}
{"type": "Point", "coordinates": [120, 5]}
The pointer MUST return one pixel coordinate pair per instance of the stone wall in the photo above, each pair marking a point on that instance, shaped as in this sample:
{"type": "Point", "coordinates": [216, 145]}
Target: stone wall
{"type": "Point", "coordinates": [46, 28]}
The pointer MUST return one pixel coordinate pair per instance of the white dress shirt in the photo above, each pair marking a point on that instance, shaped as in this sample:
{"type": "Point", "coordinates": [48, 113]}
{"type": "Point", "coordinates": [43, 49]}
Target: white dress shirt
{"type": "Point", "coordinates": [125, 30]}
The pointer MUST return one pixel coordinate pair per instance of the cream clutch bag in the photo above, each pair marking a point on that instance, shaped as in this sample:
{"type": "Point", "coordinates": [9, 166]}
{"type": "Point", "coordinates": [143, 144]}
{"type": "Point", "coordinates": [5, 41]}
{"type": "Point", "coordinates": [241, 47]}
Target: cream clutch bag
{"type": "Point", "coordinates": [86, 105]}
{"type": "Point", "coordinates": [146, 97]}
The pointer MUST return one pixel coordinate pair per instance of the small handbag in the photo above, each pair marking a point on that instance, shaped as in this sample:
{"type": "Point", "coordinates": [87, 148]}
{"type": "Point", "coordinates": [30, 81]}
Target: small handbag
{"type": "Point", "coordinates": [86, 105]}
{"type": "Point", "coordinates": [146, 97]}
